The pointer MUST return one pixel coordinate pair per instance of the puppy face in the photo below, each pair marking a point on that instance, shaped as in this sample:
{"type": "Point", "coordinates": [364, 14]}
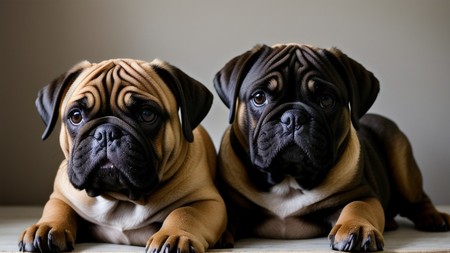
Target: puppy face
{"type": "Point", "coordinates": [296, 128]}
{"type": "Point", "coordinates": [114, 138]}
{"type": "Point", "coordinates": [120, 122]}
{"type": "Point", "coordinates": [292, 110]}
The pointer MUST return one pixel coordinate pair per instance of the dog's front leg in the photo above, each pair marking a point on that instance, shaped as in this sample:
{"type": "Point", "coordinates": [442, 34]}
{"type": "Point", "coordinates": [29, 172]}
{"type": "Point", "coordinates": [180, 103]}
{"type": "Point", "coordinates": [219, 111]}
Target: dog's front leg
{"type": "Point", "coordinates": [359, 227]}
{"type": "Point", "coordinates": [192, 228]}
{"type": "Point", "coordinates": [55, 231]}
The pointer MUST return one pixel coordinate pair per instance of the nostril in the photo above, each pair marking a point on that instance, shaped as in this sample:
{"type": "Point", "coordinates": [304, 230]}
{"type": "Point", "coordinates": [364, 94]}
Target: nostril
{"type": "Point", "coordinates": [287, 119]}
{"type": "Point", "coordinates": [98, 135]}
{"type": "Point", "coordinates": [293, 119]}
{"type": "Point", "coordinates": [107, 133]}
{"type": "Point", "coordinates": [114, 134]}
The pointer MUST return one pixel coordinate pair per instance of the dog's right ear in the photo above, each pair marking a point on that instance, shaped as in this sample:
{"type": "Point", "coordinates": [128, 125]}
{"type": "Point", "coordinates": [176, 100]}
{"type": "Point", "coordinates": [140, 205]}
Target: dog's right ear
{"type": "Point", "coordinates": [363, 87]}
{"type": "Point", "coordinates": [228, 80]}
{"type": "Point", "coordinates": [49, 98]}
{"type": "Point", "coordinates": [193, 98]}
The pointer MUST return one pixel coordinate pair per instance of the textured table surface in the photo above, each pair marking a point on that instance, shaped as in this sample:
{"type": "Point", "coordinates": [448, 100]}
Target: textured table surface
{"type": "Point", "coordinates": [13, 220]}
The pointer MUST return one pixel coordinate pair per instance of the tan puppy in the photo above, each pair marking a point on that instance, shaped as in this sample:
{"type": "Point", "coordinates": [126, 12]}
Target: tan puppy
{"type": "Point", "coordinates": [133, 173]}
{"type": "Point", "coordinates": [303, 159]}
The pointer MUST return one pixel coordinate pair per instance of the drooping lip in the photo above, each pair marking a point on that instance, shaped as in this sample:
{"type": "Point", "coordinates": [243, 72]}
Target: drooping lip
{"type": "Point", "coordinates": [106, 177]}
{"type": "Point", "coordinates": [290, 156]}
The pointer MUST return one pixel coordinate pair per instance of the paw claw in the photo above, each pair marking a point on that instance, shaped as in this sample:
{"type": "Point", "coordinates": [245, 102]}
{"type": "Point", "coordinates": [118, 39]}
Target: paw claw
{"type": "Point", "coordinates": [380, 246]}
{"type": "Point", "coordinates": [171, 242]}
{"type": "Point", "coordinates": [37, 244]}
{"type": "Point", "coordinates": [345, 245]}
{"type": "Point", "coordinates": [21, 247]}
{"type": "Point", "coordinates": [166, 249]}
{"type": "Point", "coordinates": [46, 238]}
{"type": "Point", "coordinates": [353, 237]}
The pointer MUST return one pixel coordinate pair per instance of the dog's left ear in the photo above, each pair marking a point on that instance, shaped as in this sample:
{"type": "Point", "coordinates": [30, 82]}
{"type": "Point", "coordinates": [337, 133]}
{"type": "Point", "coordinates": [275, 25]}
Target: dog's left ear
{"type": "Point", "coordinates": [361, 84]}
{"type": "Point", "coordinates": [49, 98]}
{"type": "Point", "coordinates": [193, 98]}
{"type": "Point", "coordinates": [228, 80]}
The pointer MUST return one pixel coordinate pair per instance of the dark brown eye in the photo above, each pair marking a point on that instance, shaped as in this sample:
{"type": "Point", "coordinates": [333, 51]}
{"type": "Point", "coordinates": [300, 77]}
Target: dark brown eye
{"type": "Point", "coordinates": [147, 115]}
{"type": "Point", "coordinates": [76, 117]}
{"type": "Point", "coordinates": [326, 102]}
{"type": "Point", "coordinates": [259, 98]}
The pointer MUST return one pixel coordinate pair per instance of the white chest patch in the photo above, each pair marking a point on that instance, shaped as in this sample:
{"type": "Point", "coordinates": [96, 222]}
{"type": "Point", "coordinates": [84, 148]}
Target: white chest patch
{"type": "Point", "coordinates": [286, 198]}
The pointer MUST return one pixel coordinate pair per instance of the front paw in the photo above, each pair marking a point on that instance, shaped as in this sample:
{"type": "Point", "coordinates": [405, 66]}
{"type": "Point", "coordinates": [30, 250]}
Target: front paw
{"type": "Point", "coordinates": [226, 241]}
{"type": "Point", "coordinates": [355, 237]}
{"type": "Point", "coordinates": [46, 237]}
{"type": "Point", "coordinates": [432, 221]}
{"type": "Point", "coordinates": [173, 241]}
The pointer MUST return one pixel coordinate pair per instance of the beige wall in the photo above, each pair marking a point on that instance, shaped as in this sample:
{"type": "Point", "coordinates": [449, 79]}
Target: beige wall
{"type": "Point", "coordinates": [404, 42]}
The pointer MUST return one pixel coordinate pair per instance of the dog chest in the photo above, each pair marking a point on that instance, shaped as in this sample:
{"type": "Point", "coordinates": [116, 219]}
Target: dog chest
{"type": "Point", "coordinates": [116, 235]}
{"type": "Point", "coordinates": [290, 228]}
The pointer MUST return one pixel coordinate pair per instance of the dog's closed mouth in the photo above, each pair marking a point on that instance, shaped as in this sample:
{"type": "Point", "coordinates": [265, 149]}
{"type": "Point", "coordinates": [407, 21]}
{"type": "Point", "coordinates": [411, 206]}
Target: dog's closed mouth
{"type": "Point", "coordinates": [106, 178]}
{"type": "Point", "coordinates": [107, 166]}
{"type": "Point", "coordinates": [110, 177]}
{"type": "Point", "coordinates": [292, 160]}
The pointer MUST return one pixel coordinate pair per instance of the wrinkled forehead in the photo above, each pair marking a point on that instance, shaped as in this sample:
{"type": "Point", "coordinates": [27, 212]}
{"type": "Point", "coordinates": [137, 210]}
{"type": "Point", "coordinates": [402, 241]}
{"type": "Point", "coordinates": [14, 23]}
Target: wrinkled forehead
{"type": "Point", "coordinates": [292, 64]}
{"type": "Point", "coordinates": [115, 83]}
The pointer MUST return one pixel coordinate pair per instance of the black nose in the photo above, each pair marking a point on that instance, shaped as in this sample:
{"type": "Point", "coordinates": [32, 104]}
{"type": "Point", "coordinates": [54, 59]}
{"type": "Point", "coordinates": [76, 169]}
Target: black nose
{"type": "Point", "coordinates": [293, 119]}
{"type": "Point", "coordinates": [107, 133]}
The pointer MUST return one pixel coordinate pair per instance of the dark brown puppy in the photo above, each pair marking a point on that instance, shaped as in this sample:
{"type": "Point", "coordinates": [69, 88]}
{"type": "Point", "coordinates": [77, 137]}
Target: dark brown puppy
{"type": "Point", "coordinates": [134, 172]}
{"type": "Point", "coordinates": [302, 158]}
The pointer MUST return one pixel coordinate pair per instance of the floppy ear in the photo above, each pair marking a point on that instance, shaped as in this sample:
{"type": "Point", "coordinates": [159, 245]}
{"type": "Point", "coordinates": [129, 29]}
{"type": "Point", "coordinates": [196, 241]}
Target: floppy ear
{"type": "Point", "coordinates": [49, 98]}
{"type": "Point", "coordinates": [361, 84]}
{"type": "Point", "coordinates": [193, 98]}
{"type": "Point", "coordinates": [228, 80]}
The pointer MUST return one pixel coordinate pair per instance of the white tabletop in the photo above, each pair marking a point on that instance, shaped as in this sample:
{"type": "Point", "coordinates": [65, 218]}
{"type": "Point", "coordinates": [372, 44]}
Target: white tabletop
{"type": "Point", "coordinates": [13, 220]}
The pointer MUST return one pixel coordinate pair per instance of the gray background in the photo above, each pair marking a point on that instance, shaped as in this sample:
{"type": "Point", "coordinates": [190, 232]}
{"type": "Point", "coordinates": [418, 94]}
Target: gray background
{"type": "Point", "coordinates": [404, 42]}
